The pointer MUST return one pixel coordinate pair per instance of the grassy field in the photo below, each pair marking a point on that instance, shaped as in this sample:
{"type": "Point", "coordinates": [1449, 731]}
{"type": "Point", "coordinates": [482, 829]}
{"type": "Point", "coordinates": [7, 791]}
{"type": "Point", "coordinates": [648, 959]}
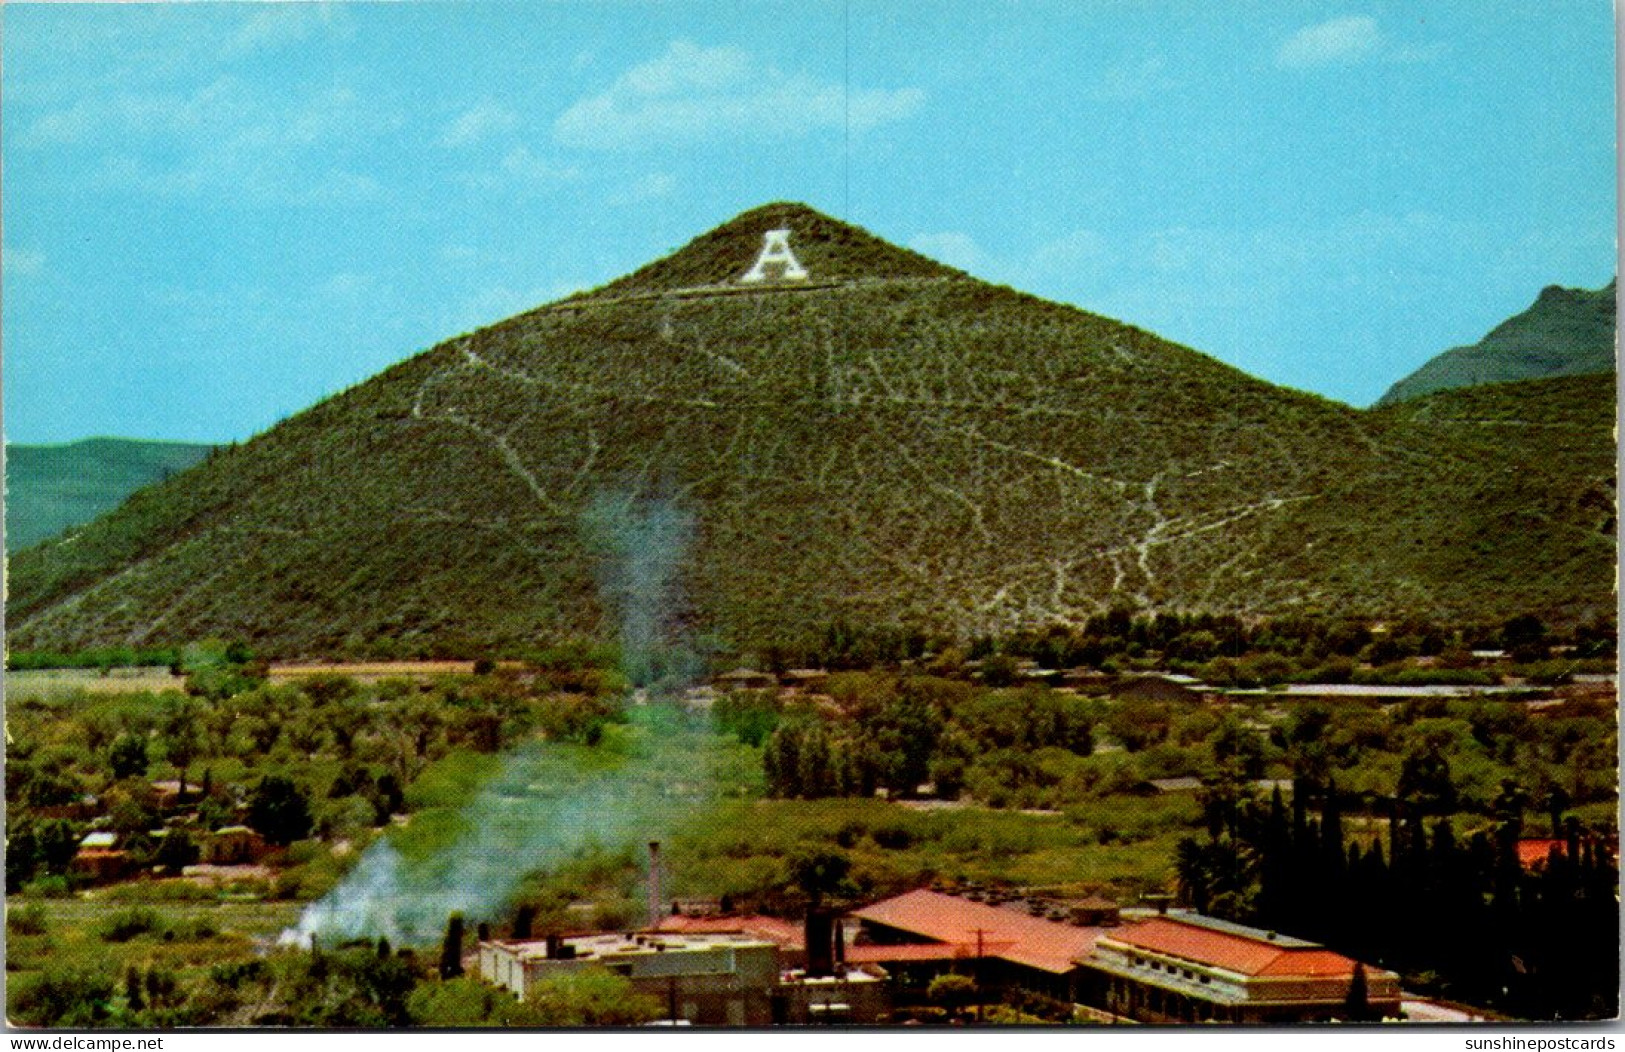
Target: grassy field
{"type": "Point", "coordinates": [371, 671]}
{"type": "Point", "coordinates": [55, 683]}
{"type": "Point", "coordinates": [699, 793]}
{"type": "Point", "coordinates": [98, 936]}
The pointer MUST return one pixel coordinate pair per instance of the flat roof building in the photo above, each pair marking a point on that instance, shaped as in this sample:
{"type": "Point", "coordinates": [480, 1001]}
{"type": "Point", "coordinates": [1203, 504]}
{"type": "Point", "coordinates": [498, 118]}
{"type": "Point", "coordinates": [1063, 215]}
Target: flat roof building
{"type": "Point", "coordinates": [722, 978]}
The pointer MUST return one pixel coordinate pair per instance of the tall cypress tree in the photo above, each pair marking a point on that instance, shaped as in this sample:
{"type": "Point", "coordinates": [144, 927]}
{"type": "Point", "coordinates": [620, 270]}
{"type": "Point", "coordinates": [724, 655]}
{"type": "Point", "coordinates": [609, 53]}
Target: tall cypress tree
{"type": "Point", "coordinates": [1357, 1005]}
{"type": "Point", "coordinates": [451, 949]}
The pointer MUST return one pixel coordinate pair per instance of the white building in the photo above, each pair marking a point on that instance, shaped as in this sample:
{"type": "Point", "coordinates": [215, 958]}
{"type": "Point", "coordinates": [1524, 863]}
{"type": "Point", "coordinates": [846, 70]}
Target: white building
{"type": "Point", "coordinates": [710, 979]}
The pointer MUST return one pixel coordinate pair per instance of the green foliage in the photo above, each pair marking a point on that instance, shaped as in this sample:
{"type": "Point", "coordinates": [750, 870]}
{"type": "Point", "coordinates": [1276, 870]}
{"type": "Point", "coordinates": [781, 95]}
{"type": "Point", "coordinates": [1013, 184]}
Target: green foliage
{"type": "Point", "coordinates": [818, 874]}
{"type": "Point", "coordinates": [69, 998]}
{"type": "Point", "coordinates": [464, 1002]}
{"type": "Point", "coordinates": [589, 997]}
{"type": "Point", "coordinates": [279, 810]}
{"type": "Point", "coordinates": [128, 924]}
{"type": "Point", "coordinates": [128, 757]}
{"type": "Point", "coordinates": [953, 992]}
{"type": "Point", "coordinates": [749, 715]}
{"type": "Point", "coordinates": [26, 920]}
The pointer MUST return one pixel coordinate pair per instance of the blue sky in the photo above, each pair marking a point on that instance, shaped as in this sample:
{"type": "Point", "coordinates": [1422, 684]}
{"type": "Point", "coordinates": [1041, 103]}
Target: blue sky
{"type": "Point", "coordinates": [216, 214]}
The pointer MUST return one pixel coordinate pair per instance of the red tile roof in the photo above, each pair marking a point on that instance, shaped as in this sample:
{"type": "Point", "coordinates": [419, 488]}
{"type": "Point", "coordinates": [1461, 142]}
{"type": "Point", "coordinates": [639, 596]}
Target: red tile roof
{"type": "Point", "coordinates": [918, 951]}
{"type": "Point", "coordinates": [1232, 951]}
{"type": "Point", "coordinates": [1532, 852]}
{"type": "Point", "coordinates": [1005, 934]}
{"type": "Point", "coordinates": [785, 933]}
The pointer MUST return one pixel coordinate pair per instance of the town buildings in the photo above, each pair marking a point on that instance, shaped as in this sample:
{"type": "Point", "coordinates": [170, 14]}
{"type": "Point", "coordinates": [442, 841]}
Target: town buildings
{"type": "Point", "coordinates": [724, 978]}
{"type": "Point", "coordinates": [1142, 966]}
{"type": "Point", "coordinates": [1192, 969]}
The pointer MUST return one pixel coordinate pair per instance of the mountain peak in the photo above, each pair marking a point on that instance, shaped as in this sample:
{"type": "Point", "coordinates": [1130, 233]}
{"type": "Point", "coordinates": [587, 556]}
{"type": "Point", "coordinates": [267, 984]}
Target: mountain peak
{"type": "Point", "coordinates": [1565, 332]}
{"type": "Point", "coordinates": [780, 245]}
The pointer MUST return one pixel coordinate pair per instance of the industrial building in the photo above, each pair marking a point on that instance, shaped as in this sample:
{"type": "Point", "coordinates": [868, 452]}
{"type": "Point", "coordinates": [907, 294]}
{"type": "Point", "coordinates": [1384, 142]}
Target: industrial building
{"type": "Point", "coordinates": [719, 979]}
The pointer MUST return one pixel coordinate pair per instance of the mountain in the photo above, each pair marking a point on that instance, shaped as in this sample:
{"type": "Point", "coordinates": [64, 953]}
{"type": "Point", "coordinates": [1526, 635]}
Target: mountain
{"type": "Point", "coordinates": [52, 488]}
{"type": "Point", "coordinates": [1568, 332]}
{"type": "Point", "coordinates": [884, 441]}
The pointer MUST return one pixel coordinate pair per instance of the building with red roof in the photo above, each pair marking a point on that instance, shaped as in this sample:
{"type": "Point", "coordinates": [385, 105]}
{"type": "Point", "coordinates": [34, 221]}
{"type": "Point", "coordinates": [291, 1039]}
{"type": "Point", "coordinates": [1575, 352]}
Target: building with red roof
{"type": "Point", "coordinates": [921, 934]}
{"type": "Point", "coordinates": [1189, 968]}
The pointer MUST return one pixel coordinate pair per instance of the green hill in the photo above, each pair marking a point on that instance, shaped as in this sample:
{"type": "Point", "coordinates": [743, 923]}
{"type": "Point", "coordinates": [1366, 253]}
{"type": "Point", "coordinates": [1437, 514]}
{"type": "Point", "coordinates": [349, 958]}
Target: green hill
{"type": "Point", "coordinates": [1567, 332]}
{"type": "Point", "coordinates": [52, 488]}
{"type": "Point", "coordinates": [886, 442]}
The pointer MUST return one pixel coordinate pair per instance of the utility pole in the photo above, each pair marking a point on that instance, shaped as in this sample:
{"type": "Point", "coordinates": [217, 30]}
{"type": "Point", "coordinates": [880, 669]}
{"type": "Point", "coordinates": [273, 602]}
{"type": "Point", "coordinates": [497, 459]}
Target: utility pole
{"type": "Point", "coordinates": [979, 970]}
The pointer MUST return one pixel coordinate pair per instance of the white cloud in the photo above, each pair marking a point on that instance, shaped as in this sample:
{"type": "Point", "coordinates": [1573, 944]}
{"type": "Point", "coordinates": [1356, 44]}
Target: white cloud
{"type": "Point", "coordinates": [349, 285]}
{"type": "Point", "coordinates": [1340, 40]}
{"type": "Point", "coordinates": [524, 165]}
{"type": "Point", "coordinates": [1072, 254]}
{"type": "Point", "coordinates": [951, 247]}
{"type": "Point", "coordinates": [692, 93]}
{"type": "Point", "coordinates": [1348, 40]}
{"type": "Point", "coordinates": [224, 139]}
{"type": "Point", "coordinates": [21, 262]}
{"type": "Point", "coordinates": [275, 25]}
{"type": "Point", "coordinates": [478, 122]}
{"type": "Point", "coordinates": [650, 187]}
{"type": "Point", "coordinates": [520, 167]}
{"type": "Point", "coordinates": [1134, 79]}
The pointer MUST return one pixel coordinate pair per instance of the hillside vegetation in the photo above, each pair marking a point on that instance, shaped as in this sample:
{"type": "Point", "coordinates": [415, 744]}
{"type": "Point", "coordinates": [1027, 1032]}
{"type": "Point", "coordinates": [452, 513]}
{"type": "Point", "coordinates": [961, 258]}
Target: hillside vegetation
{"type": "Point", "coordinates": [889, 442]}
{"type": "Point", "coordinates": [52, 488]}
{"type": "Point", "coordinates": [1567, 332]}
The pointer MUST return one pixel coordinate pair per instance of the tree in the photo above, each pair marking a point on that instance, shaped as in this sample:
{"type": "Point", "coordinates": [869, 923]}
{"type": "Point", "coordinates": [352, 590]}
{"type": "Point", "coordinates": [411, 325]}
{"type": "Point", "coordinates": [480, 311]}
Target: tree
{"type": "Point", "coordinates": [177, 850]}
{"type": "Point", "coordinates": [388, 798]}
{"type": "Point", "coordinates": [182, 736]}
{"type": "Point", "coordinates": [451, 948]}
{"type": "Point", "coordinates": [1357, 1004]}
{"type": "Point", "coordinates": [818, 874]}
{"type": "Point", "coordinates": [590, 997]}
{"type": "Point", "coordinates": [279, 810]}
{"type": "Point", "coordinates": [128, 757]}
{"type": "Point", "coordinates": [524, 919]}
{"type": "Point", "coordinates": [999, 670]}
{"type": "Point", "coordinates": [1424, 780]}
{"type": "Point", "coordinates": [1524, 638]}
{"type": "Point", "coordinates": [953, 992]}
{"type": "Point", "coordinates": [23, 856]}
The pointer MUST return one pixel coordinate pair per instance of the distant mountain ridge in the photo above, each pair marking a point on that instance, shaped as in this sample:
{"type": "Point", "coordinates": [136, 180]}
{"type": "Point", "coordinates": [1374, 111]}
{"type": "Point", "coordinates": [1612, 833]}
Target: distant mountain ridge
{"type": "Point", "coordinates": [51, 488]}
{"type": "Point", "coordinates": [879, 441]}
{"type": "Point", "coordinates": [1566, 332]}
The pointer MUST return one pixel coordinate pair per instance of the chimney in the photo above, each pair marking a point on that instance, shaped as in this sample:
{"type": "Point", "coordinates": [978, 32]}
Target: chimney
{"type": "Point", "coordinates": [654, 884]}
{"type": "Point", "coordinates": [819, 934]}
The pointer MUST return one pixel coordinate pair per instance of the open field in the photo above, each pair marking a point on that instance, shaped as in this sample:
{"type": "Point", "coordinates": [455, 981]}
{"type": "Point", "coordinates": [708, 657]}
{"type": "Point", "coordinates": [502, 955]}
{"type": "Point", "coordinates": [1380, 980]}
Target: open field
{"type": "Point", "coordinates": [371, 671]}
{"type": "Point", "coordinates": [56, 682]}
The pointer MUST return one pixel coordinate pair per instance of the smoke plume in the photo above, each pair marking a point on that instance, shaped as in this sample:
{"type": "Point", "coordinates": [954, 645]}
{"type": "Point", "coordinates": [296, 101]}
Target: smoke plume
{"type": "Point", "coordinates": [642, 542]}
{"type": "Point", "coordinates": [540, 810]}
{"type": "Point", "coordinates": [536, 814]}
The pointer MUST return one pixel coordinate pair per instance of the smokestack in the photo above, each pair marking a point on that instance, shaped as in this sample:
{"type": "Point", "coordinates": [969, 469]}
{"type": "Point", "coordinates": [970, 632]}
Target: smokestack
{"type": "Point", "coordinates": [654, 884]}
{"type": "Point", "coordinates": [819, 933]}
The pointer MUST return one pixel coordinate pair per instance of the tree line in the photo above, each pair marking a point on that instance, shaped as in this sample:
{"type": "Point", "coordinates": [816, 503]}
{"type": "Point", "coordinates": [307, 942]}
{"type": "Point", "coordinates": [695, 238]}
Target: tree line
{"type": "Point", "coordinates": [1458, 917]}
